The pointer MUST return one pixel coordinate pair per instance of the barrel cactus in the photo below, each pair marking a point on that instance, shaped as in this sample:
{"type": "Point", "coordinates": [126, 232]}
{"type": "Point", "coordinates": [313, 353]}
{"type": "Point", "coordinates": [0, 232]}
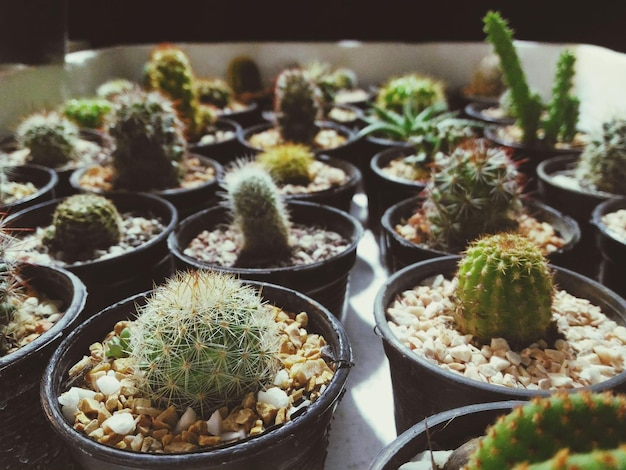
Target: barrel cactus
{"type": "Point", "coordinates": [602, 164]}
{"type": "Point", "coordinates": [288, 163]}
{"type": "Point", "coordinates": [88, 113]}
{"type": "Point", "coordinates": [82, 223]}
{"type": "Point", "coordinates": [244, 77]}
{"type": "Point", "coordinates": [204, 339]}
{"type": "Point", "coordinates": [504, 290]}
{"type": "Point", "coordinates": [420, 90]}
{"type": "Point", "coordinates": [50, 137]}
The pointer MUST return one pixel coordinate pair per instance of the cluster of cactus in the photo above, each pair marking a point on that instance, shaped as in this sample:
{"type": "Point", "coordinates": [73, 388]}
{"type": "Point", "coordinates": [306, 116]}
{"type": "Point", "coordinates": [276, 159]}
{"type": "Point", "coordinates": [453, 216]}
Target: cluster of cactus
{"type": "Point", "coordinates": [477, 190]}
{"type": "Point", "coordinates": [562, 110]}
{"type": "Point", "coordinates": [487, 79]}
{"type": "Point", "coordinates": [87, 112]}
{"type": "Point", "coordinates": [244, 78]}
{"type": "Point", "coordinates": [417, 89]}
{"type": "Point", "coordinates": [169, 71]}
{"type": "Point", "coordinates": [50, 137]}
{"type": "Point", "coordinates": [288, 163]}
{"type": "Point", "coordinates": [260, 214]}
{"type": "Point", "coordinates": [602, 164]}
{"type": "Point", "coordinates": [203, 339]}
{"type": "Point", "coordinates": [148, 141]}
{"type": "Point", "coordinates": [214, 91]}
{"type": "Point", "coordinates": [297, 106]}
{"type": "Point", "coordinates": [82, 223]}
{"type": "Point", "coordinates": [115, 87]}
{"type": "Point", "coordinates": [330, 80]}
{"type": "Point", "coordinates": [504, 290]}
{"type": "Point", "coordinates": [581, 430]}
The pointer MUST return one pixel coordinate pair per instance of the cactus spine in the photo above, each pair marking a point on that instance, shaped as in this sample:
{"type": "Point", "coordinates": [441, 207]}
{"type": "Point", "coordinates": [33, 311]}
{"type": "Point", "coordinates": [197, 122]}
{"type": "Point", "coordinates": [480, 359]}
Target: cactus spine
{"type": "Point", "coordinates": [298, 105]}
{"type": "Point", "coordinates": [504, 290]}
{"type": "Point", "coordinates": [582, 422]}
{"type": "Point", "coordinates": [260, 214]}
{"type": "Point", "coordinates": [204, 339]}
{"type": "Point", "coordinates": [420, 90]}
{"type": "Point", "coordinates": [288, 163]}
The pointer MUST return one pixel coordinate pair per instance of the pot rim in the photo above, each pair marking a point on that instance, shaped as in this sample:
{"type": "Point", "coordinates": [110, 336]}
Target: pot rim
{"type": "Point", "coordinates": [48, 186]}
{"type": "Point", "coordinates": [609, 205]}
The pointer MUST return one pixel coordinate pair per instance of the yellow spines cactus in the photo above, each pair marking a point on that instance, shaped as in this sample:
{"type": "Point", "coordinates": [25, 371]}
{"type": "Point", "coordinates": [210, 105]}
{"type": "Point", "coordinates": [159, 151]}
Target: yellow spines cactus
{"type": "Point", "coordinates": [288, 163]}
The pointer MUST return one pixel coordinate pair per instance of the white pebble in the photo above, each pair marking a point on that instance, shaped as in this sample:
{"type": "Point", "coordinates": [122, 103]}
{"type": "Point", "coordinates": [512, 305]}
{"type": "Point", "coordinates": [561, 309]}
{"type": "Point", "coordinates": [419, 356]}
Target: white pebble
{"type": "Point", "coordinates": [120, 423]}
{"type": "Point", "coordinates": [108, 384]}
{"type": "Point", "coordinates": [274, 396]}
{"type": "Point", "coordinates": [214, 423]}
{"type": "Point", "coordinates": [186, 420]}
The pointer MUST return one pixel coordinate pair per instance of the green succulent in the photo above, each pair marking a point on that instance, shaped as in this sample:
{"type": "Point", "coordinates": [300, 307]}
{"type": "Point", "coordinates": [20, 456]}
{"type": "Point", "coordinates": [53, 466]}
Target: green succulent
{"type": "Point", "coordinates": [87, 112]}
{"type": "Point", "coordinates": [416, 90]}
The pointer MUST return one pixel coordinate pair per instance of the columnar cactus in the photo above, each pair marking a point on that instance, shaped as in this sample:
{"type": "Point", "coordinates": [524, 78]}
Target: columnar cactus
{"type": "Point", "coordinates": [602, 164]}
{"type": "Point", "coordinates": [577, 426]}
{"type": "Point", "coordinates": [504, 290]}
{"type": "Point", "coordinates": [420, 90]}
{"type": "Point", "coordinates": [298, 105]}
{"type": "Point", "coordinates": [148, 141]}
{"type": "Point", "coordinates": [288, 163]}
{"type": "Point", "coordinates": [243, 76]}
{"type": "Point", "coordinates": [260, 214]}
{"type": "Point", "coordinates": [476, 191]}
{"type": "Point", "coordinates": [82, 223]}
{"type": "Point", "coordinates": [204, 339]}
{"type": "Point", "coordinates": [50, 137]}
{"type": "Point", "coordinates": [87, 112]}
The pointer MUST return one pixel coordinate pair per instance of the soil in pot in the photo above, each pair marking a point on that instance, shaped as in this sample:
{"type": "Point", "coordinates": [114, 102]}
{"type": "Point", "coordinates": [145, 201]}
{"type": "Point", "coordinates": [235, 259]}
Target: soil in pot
{"type": "Point", "coordinates": [609, 221]}
{"type": "Point", "coordinates": [26, 185]}
{"type": "Point", "coordinates": [285, 426]}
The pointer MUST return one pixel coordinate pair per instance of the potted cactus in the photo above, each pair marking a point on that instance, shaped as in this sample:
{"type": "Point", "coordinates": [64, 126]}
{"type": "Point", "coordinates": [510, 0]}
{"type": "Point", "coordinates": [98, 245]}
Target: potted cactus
{"type": "Point", "coordinates": [86, 112]}
{"type": "Point", "coordinates": [495, 323]}
{"type": "Point", "coordinates": [240, 392]}
{"type": "Point", "coordinates": [477, 189]}
{"type": "Point", "coordinates": [258, 235]}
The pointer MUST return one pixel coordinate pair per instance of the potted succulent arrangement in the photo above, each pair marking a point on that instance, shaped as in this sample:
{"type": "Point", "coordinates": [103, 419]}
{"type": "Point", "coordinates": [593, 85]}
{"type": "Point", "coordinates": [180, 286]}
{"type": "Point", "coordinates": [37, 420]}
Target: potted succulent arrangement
{"type": "Point", "coordinates": [39, 306]}
{"type": "Point", "coordinates": [575, 430]}
{"type": "Point", "coordinates": [206, 371]}
{"type": "Point", "coordinates": [476, 189]}
{"type": "Point", "coordinates": [258, 235]}
{"type": "Point", "coordinates": [496, 323]}
{"type": "Point", "coordinates": [25, 185]}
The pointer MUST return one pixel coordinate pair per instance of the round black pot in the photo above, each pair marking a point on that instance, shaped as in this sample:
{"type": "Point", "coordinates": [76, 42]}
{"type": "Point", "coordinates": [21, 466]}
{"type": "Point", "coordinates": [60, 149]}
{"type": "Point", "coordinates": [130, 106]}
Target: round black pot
{"type": "Point", "coordinates": [300, 443]}
{"type": "Point", "coordinates": [325, 281]}
{"type": "Point", "coordinates": [422, 388]}
{"type": "Point", "coordinates": [370, 146]}
{"type": "Point", "coordinates": [447, 430]}
{"type": "Point", "coordinates": [45, 180]}
{"type": "Point", "coordinates": [185, 200]}
{"type": "Point", "coordinates": [224, 151]}
{"type": "Point", "coordinates": [477, 110]}
{"type": "Point", "coordinates": [352, 116]}
{"type": "Point", "coordinates": [26, 441]}
{"type": "Point", "coordinates": [245, 117]}
{"type": "Point", "coordinates": [111, 279]}
{"type": "Point", "coordinates": [400, 252]}
{"type": "Point", "coordinates": [578, 204]}
{"type": "Point", "coordinates": [612, 248]}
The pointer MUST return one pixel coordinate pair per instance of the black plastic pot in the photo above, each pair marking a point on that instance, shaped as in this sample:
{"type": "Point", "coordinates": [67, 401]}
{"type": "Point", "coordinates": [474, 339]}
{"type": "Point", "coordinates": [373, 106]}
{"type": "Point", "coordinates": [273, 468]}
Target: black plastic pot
{"type": "Point", "coordinates": [224, 151]}
{"type": "Point", "coordinates": [477, 110]}
{"type": "Point", "coordinates": [301, 443]}
{"type": "Point", "coordinates": [45, 180]}
{"type": "Point", "coordinates": [111, 279]}
{"type": "Point", "coordinates": [422, 388]}
{"type": "Point", "coordinates": [369, 147]}
{"type": "Point", "coordinates": [26, 441]}
{"type": "Point", "coordinates": [447, 430]}
{"type": "Point", "coordinates": [325, 281]}
{"type": "Point", "coordinates": [612, 248]}
{"type": "Point", "coordinates": [400, 252]}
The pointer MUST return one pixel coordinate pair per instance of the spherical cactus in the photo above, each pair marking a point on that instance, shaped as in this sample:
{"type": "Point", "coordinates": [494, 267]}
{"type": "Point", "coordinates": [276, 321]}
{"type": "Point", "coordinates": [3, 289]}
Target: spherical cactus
{"type": "Point", "coordinates": [602, 164]}
{"type": "Point", "coordinates": [214, 91]}
{"type": "Point", "coordinates": [581, 423]}
{"type": "Point", "coordinates": [288, 163]}
{"type": "Point", "coordinates": [204, 339]}
{"type": "Point", "coordinates": [260, 214]}
{"type": "Point", "coordinates": [476, 191]}
{"type": "Point", "coordinates": [487, 79]}
{"type": "Point", "coordinates": [87, 112]}
{"type": "Point", "coordinates": [50, 137]}
{"type": "Point", "coordinates": [504, 290]}
{"type": "Point", "coordinates": [110, 89]}
{"type": "Point", "coordinates": [298, 105]}
{"type": "Point", "coordinates": [243, 76]}
{"type": "Point", "coordinates": [84, 222]}
{"type": "Point", "coordinates": [420, 90]}
{"type": "Point", "coordinates": [148, 141]}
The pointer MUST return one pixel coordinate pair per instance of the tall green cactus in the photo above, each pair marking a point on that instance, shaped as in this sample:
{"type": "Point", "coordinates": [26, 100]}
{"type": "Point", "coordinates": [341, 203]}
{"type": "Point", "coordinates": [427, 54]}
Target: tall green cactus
{"type": "Point", "coordinates": [504, 290]}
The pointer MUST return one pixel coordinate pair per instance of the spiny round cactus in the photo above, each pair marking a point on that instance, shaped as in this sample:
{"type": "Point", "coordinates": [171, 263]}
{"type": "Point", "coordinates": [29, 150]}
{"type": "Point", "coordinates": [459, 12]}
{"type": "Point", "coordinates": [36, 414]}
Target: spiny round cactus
{"type": "Point", "coordinates": [50, 137]}
{"type": "Point", "coordinates": [487, 79]}
{"type": "Point", "coordinates": [476, 191]}
{"type": "Point", "coordinates": [243, 76]}
{"type": "Point", "coordinates": [87, 112]}
{"type": "Point", "coordinates": [602, 164]}
{"type": "Point", "coordinates": [504, 290]}
{"type": "Point", "coordinates": [83, 223]}
{"type": "Point", "coordinates": [420, 90]}
{"type": "Point", "coordinates": [214, 91]}
{"type": "Point", "coordinates": [260, 214]}
{"type": "Point", "coordinates": [115, 87]}
{"type": "Point", "coordinates": [148, 141]}
{"type": "Point", "coordinates": [288, 163]}
{"type": "Point", "coordinates": [204, 339]}
{"type": "Point", "coordinates": [298, 105]}
{"type": "Point", "coordinates": [612, 459]}
{"type": "Point", "coordinates": [12, 287]}
{"type": "Point", "coordinates": [582, 422]}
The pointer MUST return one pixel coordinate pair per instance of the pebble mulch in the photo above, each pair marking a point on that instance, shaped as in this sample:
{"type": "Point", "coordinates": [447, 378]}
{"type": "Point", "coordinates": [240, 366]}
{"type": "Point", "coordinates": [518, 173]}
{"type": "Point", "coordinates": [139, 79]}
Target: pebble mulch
{"type": "Point", "coordinates": [325, 139]}
{"type": "Point", "coordinates": [616, 223]}
{"type": "Point", "coordinates": [12, 191]}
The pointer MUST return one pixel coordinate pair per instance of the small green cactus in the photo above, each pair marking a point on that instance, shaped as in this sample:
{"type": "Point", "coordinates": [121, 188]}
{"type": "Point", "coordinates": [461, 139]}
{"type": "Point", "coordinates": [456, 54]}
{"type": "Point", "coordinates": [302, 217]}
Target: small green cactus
{"type": "Point", "coordinates": [564, 423]}
{"type": "Point", "coordinates": [476, 191]}
{"type": "Point", "coordinates": [148, 141]}
{"type": "Point", "coordinates": [602, 164]}
{"type": "Point", "coordinates": [243, 76]}
{"type": "Point", "coordinates": [82, 223]}
{"type": "Point", "coordinates": [288, 163]}
{"type": "Point", "coordinates": [504, 290]}
{"type": "Point", "coordinates": [87, 112]}
{"type": "Point", "coordinates": [260, 214]}
{"type": "Point", "coordinates": [297, 105]}
{"type": "Point", "coordinates": [50, 137]}
{"type": "Point", "coordinates": [214, 91]}
{"type": "Point", "coordinates": [204, 339]}
{"type": "Point", "coordinates": [418, 89]}
{"type": "Point", "coordinates": [115, 87]}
